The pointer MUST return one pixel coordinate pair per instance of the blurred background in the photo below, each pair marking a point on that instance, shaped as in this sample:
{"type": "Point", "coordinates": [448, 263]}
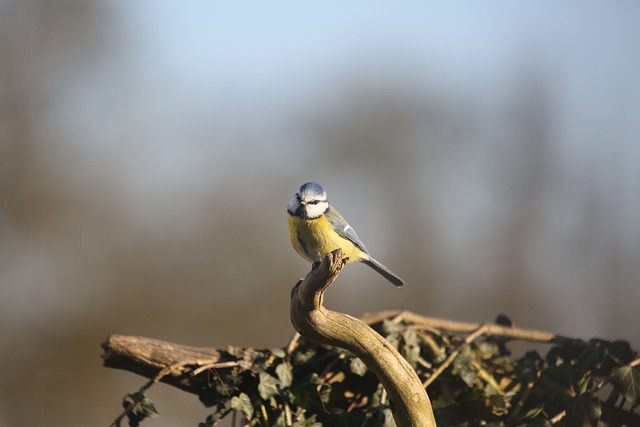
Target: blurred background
{"type": "Point", "coordinates": [487, 152]}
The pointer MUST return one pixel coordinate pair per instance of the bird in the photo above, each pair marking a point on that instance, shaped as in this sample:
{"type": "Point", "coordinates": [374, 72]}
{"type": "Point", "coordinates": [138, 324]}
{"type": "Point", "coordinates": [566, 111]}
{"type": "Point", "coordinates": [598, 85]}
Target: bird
{"type": "Point", "coordinates": [316, 228]}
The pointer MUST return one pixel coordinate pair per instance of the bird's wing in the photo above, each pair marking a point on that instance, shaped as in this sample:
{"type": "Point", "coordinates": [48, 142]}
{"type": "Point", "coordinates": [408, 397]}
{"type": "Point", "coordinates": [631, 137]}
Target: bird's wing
{"type": "Point", "coordinates": [343, 229]}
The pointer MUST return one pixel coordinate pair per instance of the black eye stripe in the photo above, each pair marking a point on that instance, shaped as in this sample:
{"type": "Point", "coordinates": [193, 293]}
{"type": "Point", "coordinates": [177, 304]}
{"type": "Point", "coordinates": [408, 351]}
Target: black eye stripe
{"type": "Point", "coordinates": [314, 202]}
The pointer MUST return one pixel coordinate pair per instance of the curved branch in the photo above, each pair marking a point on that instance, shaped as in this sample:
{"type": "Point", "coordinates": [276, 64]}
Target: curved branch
{"type": "Point", "coordinates": [312, 320]}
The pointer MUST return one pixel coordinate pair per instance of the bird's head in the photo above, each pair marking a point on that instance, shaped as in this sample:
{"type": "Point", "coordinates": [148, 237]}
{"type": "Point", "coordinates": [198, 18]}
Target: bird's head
{"type": "Point", "coordinates": [309, 202]}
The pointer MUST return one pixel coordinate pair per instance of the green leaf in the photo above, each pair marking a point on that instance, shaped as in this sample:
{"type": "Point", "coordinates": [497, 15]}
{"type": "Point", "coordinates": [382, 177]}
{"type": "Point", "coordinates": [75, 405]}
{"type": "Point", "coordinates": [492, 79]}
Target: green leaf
{"type": "Point", "coordinates": [306, 392]}
{"type": "Point", "coordinates": [389, 327]}
{"type": "Point", "coordinates": [148, 409]}
{"type": "Point", "coordinates": [489, 349]}
{"type": "Point", "coordinates": [462, 367]}
{"type": "Point", "coordinates": [211, 420]}
{"type": "Point", "coordinates": [534, 412]}
{"type": "Point", "coordinates": [563, 375]}
{"type": "Point", "coordinates": [242, 403]}
{"type": "Point", "coordinates": [324, 392]}
{"type": "Point", "coordinates": [304, 354]}
{"type": "Point", "coordinates": [235, 351]}
{"type": "Point", "coordinates": [391, 332]}
{"type": "Point", "coordinates": [307, 422]}
{"type": "Point", "coordinates": [593, 357]}
{"type": "Point", "coordinates": [622, 352]}
{"type": "Point", "coordinates": [388, 419]}
{"type": "Point", "coordinates": [528, 368]}
{"type": "Point", "coordinates": [280, 421]}
{"type": "Point", "coordinates": [626, 380]}
{"type": "Point", "coordinates": [565, 354]}
{"type": "Point", "coordinates": [376, 397]}
{"type": "Point", "coordinates": [539, 422]}
{"type": "Point", "coordinates": [411, 348]}
{"type": "Point", "coordinates": [268, 386]}
{"type": "Point", "coordinates": [143, 406]}
{"type": "Point", "coordinates": [285, 374]}
{"type": "Point", "coordinates": [584, 411]}
{"type": "Point", "coordinates": [278, 352]}
{"type": "Point", "coordinates": [358, 367]}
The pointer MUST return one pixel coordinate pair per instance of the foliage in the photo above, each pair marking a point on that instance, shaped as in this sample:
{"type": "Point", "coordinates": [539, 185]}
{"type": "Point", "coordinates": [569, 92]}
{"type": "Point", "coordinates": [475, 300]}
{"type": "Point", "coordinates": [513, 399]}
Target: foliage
{"type": "Point", "coordinates": [138, 407]}
{"type": "Point", "coordinates": [470, 383]}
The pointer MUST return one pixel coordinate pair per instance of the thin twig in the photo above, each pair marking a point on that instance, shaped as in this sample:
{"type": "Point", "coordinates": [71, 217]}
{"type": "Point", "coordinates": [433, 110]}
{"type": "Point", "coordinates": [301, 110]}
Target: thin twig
{"type": "Point", "coordinates": [293, 344]}
{"type": "Point", "coordinates": [477, 333]}
{"type": "Point", "coordinates": [145, 387]}
{"type": "Point", "coordinates": [218, 365]}
{"type": "Point", "coordinates": [418, 321]}
{"type": "Point", "coordinates": [163, 373]}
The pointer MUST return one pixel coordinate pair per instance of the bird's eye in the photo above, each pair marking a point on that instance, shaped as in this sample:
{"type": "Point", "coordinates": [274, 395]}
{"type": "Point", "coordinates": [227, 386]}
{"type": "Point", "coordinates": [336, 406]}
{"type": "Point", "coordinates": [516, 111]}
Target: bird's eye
{"type": "Point", "coordinates": [314, 202]}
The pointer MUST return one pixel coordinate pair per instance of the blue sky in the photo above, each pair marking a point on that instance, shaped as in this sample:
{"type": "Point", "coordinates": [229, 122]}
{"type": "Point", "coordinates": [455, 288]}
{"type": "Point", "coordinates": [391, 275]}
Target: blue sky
{"type": "Point", "coordinates": [222, 39]}
{"type": "Point", "coordinates": [177, 67]}
{"type": "Point", "coordinates": [269, 60]}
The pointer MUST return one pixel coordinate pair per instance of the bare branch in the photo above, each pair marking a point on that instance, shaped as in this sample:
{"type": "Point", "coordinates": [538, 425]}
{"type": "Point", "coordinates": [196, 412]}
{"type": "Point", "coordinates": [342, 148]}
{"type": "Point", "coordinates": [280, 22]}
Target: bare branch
{"type": "Point", "coordinates": [160, 360]}
{"type": "Point", "coordinates": [451, 326]}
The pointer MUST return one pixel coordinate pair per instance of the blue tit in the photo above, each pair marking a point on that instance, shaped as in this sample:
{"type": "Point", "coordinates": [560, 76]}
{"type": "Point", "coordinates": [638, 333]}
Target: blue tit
{"type": "Point", "coordinates": [316, 228]}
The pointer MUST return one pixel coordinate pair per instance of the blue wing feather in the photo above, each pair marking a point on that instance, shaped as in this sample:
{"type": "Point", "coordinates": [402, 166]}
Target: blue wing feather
{"type": "Point", "coordinates": [343, 228]}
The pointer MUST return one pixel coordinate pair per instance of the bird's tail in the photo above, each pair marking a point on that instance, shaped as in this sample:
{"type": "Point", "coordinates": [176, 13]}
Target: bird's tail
{"type": "Point", "coordinates": [388, 274]}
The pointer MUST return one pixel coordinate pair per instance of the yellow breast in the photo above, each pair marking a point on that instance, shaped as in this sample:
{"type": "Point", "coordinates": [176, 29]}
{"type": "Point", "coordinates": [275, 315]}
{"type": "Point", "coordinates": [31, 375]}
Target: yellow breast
{"type": "Point", "coordinates": [312, 239]}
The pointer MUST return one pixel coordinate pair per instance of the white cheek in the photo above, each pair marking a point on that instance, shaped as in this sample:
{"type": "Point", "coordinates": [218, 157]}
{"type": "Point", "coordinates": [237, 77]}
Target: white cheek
{"type": "Point", "coordinates": [293, 205]}
{"type": "Point", "coordinates": [314, 211]}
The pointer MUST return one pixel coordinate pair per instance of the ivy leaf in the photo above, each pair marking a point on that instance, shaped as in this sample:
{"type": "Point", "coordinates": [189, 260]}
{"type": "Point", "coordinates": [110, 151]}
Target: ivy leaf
{"type": "Point", "coordinates": [211, 421]}
{"type": "Point", "coordinates": [585, 411]}
{"type": "Point", "coordinates": [462, 367]}
{"type": "Point", "coordinates": [534, 412]}
{"type": "Point", "coordinates": [303, 355]}
{"type": "Point", "coordinates": [389, 327]}
{"type": "Point", "coordinates": [539, 422]}
{"type": "Point", "coordinates": [528, 368]}
{"type": "Point", "coordinates": [148, 409]}
{"type": "Point", "coordinates": [388, 418]}
{"type": "Point", "coordinates": [242, 403]}
{"type": "Point", "coordinates": [268, 386]}
{"type": "Point", "coordinates": [562, 376]}
{"type": "Point", "coordinates": [411, 348]}
{"type": "Point", "coordinates": [391, 332]}
{"type": "Point", "coordinates": [278, 352]}
{"type": "Point", "coordinates": [626, 380]}
{"type": "Point", "coordinates": [285, 374]}
{"type": "Point", "coordinates": [229, 382]}
{"type": "Point", "coordinates": [593, 357]}
{"type": "Point", "coordinates": [306, 392]}
{"type": "Point", "coordinates": [324, 392]}
{"type": "Point", "coordinates": [621, 351]}
{"type": "Point", "coordinates": [307, 422]}
{"type": "Point", "coordinates": [358, 367]}
{"type": "Point", "coordinates": [376, 397]}
{"type": "Point", "coordinates": [236, 351]}
{"type": "Point", "coordinates": [143, 406]}
{"type": "Point", "coordinates": [565, 354]}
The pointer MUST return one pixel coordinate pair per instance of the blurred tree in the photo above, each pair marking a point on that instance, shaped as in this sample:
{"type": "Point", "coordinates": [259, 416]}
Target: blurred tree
{"type": "Point", "coordinates": [482, 210]}
{"type": "Point", "coordinates": [40, 43]}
